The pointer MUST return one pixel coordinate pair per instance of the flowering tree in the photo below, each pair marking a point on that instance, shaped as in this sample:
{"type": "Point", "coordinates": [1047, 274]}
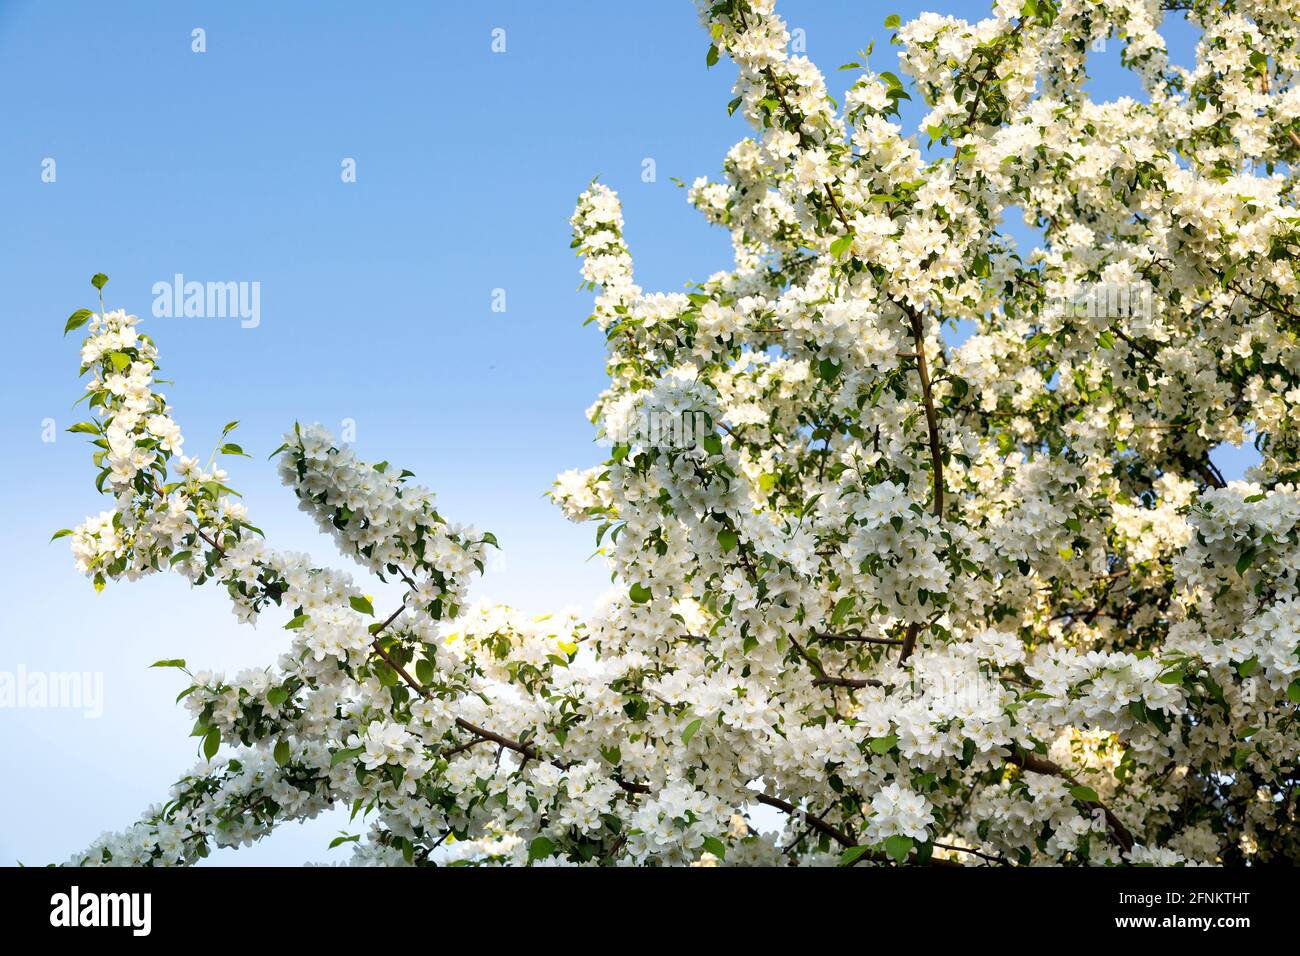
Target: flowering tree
{"type": "Point", "coordinates": [986, 604]}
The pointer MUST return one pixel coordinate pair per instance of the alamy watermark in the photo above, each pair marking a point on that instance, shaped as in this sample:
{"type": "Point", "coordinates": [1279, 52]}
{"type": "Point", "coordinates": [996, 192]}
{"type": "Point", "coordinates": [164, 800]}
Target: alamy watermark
{"type": "Point", "coordinates": [208, 300]}
{"type": "Point", "coordinates": [53, 690]}
{"type": "Point", "coordinates": [1104, 300]}
{"type": "Point", "coordinates": [74, 908]}
{"type": "Point", "coordinates": [651, 428]}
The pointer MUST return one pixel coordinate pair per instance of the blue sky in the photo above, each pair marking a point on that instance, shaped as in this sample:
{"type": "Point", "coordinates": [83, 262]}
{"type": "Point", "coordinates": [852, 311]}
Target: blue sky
{"type": "Point", "coordinates": [375, 299]}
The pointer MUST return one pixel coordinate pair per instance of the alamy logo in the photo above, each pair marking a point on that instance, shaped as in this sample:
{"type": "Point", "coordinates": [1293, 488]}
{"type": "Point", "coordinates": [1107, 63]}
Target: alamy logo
{"type": "Point", "coordinates": [208, 300]}
{"type": "Point", "coordinates": [1104, 300]}
{"type": "Point", "coordinates": [651, 428]}
{"type": "Point", "coordinates": [54, 690]}
{"type": "Point", "coordinates": [103, 909]}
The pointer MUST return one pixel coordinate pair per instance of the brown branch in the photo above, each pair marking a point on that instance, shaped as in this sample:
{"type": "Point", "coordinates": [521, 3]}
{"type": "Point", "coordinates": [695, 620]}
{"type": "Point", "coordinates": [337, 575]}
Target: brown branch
{"type": "Point", "coordinates": [931, 419]}
{"type": "Point", "coordinates": [826, 680]}
{"type": "Point", "coordinates": [1133, 343]}
{"type": "Point", "coordinates": [978, 853]}
{"type": "Point", "coordinates": [909, 641]}
{"type": "Point", "coordinates": [857, 638]}
{"type": "Point", "coordinates": [199, 531]}
{"type": "Point", "coordinates": [472, 742]}
{"type": "Point", "coordinates": [826, 829]}
{"type": "Point", "coordinates": [914, 318]}
{"type": "Point", "coordinates": [988, 72]}
{"type": "Point", "coordinates": [816, 823]}
{"type": "Point", "coordinates": [1209, 474]}
{"type": "Point", "coordinates": [482, 733]}
{"type": "Point", "coordinates": [1263, 88]}
{"type": "Point", "coordinates": [1033, 762]}
{"type": "Point", "coordinates": [1264, 302]}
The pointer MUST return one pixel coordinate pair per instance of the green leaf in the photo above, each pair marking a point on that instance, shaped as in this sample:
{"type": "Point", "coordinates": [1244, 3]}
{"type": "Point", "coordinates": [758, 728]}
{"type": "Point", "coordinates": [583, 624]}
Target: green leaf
{"type": "Point", "coordinates": [1245, 561]}
{"type": "Point", "coordinates": [713, 845]}
{"type": "Point", "coordinates": [99, 280]}
{"type": "Point", "coordinates": [852, 854]}
{"type": "Point", "coordinates": [61, 533]}
{"type": "Point", "coordinates": [77, 319]}
{"type": "Point", "coordinates": [119, 360]}
{"type": "Point", "coordinates": [540, 849]}
{"type": "Point", "coordinates": [892, 21]}
{"type": "Point", "coordinates": [276, 696]}
{"type": "Point", "coordinates": [362, 604]}
{"type": "Point", "coordinates": [346, 753]}
{"type": "Point", "coordinates": [230, 427]}
{"type": "Point", "coordinates": [173, 662]}
{"type": "Point", "coordinates": [211, 742]}
{"type": "Point", "coordinates": [1293, 691]}
{"type": "Point", "coordinates": [639, 593]}
{"type": "Point", "coordinates": [883, 745]}
{"type": "Point", "coordinates": [691, 729]}
{"type": "Point", "coordinates": [345, 838]}
{"type": "Point", "coordinates": [841, 246]}
{"type": "Point", "coordinates": [230, 448]}
{"type": "Point", "coordinates": [842, 608]}
{"type": "Point", "coordinates": [1085, 794]}
{"type": "Point", "coordinates": [282, 753]}
{"type": "Point", "coordinates": [298, 621]}
{"type": "Point", "coordinates": [711, 57]}
{"type": "Point", "coordinates": [728, 540]}
{"type": "Point", "coordinates": [1248, 667]}
{"type": "Point", "coordinates": [180, 556]}
{"type": "Point", "coordinates": [898, 846]}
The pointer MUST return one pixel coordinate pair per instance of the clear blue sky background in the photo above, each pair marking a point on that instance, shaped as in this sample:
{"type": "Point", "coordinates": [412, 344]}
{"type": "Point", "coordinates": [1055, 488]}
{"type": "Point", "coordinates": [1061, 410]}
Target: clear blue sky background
{"type": "Point", "coordinates": [375, 300]}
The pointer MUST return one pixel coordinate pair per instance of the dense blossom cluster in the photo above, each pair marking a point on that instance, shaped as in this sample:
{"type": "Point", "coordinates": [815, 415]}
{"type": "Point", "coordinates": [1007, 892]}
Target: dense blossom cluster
{"type": "Point", "coordinates": [983, 604]}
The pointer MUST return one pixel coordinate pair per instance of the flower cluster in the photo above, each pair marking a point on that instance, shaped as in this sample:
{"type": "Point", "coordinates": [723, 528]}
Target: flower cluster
{"type": "Point", "coordinates": [378, 519]}
{"type": "Point", "coordinates": [984, 604]}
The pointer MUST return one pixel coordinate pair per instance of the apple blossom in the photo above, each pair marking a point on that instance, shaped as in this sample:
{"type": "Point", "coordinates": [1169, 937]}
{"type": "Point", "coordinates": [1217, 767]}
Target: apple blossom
{"type": "Point", "coordinates": [971, 604]}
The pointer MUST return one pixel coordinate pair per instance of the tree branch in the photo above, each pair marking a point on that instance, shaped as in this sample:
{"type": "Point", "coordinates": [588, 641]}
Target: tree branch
{"type": "Point", "coordinates": [858, 639]}
{"type": "Point", "coordinates": [1037, 764]}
